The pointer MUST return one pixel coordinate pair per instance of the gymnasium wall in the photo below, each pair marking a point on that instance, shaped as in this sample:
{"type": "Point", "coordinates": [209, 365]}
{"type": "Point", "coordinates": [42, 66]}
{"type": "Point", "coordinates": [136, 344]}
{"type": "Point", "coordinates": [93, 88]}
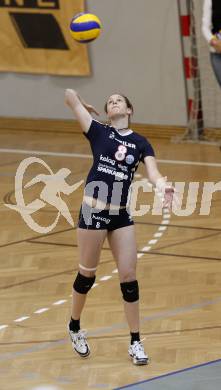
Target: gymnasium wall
{"type": "Point", "coordinates": [138, 54]}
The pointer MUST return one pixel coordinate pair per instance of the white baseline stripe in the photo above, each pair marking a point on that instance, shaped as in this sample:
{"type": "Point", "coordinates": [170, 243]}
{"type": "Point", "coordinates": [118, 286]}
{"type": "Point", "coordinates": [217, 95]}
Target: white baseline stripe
{"type": "Point", "coordinates": [3, 327]}
{"type": "Point", "coordinates": [79, 155]}
{"type": "Point", "coordinates": [162, 228]}
{"type": "Point", "coordinates": [152, 242]}
{"type": "Point", "coordinates": [196, 163]}
{"type": "Point", "coordinates": [60, 302]}
{"type": "Point", "coordinates": [146, 248]}
{"type": "Point", "coordinates": [45, 153]}
{"type": "Point", "coordinates": [41, 310]}
{"type": "Point", "coordinates": [21, 319]}
{"type": "Point", "coordinates": [157, 235]}
{"type": "Point", "coordinates": [104, 278]}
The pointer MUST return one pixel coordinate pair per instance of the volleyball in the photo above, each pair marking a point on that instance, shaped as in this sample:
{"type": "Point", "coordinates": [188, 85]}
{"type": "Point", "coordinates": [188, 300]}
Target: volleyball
{"type": "Point", "coordinates": [85, 27]}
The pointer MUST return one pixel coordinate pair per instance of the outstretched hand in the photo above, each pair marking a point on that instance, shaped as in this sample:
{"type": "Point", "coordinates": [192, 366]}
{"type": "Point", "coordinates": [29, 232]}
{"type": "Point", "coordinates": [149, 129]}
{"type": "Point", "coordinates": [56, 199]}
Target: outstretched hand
{"type": "Point", "coordinates": [167, 192]}
{"type": "Point", "coordinates": [170, 197]}
{"type": "Point", "coordinates": [71, 95]}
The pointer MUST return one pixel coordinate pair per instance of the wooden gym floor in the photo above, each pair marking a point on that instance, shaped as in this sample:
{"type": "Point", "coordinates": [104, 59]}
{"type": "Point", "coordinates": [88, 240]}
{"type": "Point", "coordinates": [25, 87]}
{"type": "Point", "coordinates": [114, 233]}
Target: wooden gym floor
{"type": "Point", "coordinates": [179, 272]}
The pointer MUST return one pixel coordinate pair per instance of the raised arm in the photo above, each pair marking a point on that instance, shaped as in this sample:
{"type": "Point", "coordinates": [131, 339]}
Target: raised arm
{"type": "Point", "coordinates": [159, 182]}
{"type": "Point", "coordinates": [81, 110]}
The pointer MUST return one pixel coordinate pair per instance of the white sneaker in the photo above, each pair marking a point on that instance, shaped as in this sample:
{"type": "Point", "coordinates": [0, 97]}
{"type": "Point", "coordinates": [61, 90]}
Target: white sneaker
{"type": "Point", "coordinates": [79, 342]}
{"type": "Point", "coordinates": [136, 351]}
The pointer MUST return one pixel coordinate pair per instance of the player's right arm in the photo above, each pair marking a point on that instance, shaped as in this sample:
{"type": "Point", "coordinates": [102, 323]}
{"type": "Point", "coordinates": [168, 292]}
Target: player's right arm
{"type": "Point", "coordinates": [82, 111]}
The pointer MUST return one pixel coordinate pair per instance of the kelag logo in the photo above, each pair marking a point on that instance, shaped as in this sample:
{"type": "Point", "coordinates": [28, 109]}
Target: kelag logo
{"type": "Point", "coordinates": [36, 30]}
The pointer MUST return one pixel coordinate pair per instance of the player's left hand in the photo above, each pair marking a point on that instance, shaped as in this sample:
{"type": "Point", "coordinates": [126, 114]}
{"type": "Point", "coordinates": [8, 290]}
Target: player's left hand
{"type": "Point", "coordinates": [167, 193]}
{"type": "Point", "coordinates": [169, 197]}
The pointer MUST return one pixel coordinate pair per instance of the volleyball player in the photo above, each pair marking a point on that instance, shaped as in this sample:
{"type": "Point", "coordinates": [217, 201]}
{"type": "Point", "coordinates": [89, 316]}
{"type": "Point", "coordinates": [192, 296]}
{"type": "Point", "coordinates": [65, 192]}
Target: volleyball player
{"type": "Point", "coordinates": [211, 25]}
{"type": "Point", "coordinates": [117, 151]}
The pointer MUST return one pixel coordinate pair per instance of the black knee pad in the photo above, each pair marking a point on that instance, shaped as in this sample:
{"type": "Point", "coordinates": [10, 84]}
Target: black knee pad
{"type": "Point", "coordinates": [130, 291]}
{"type": "Point", "coordinates": [83, 284]}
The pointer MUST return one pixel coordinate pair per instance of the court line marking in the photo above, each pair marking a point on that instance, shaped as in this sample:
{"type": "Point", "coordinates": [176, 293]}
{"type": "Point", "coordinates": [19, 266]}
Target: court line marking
{"type": "Point", "coordinates": [43, 310]}
{"type": "Point", "coordinates": [60, 302]}
{"type": "Point", "coordinates": [163, 314]}
{"type": "Point", "coordinates": [103, 278]}
{"type": "Point", "coordinates": [20, 319]}
{"type": "Point", "coordinates": [104, 330]}
{"type": "Point", "coordinates": [89, 156]}
{"type": "Point", "coordinates": [152, 242]}
{"type": "Point", "coordinates": [169, 374]}
{"type": "Point", "coordinates": [81, 155]}
{"type": "Point", "coordinates": [145, 248]}
{"type": "Point", "coordinates": [45, 153]}
{"type": "Point", "coordinates": [156, 235]}
{"type": "Point", "coordinates": [3, 326]}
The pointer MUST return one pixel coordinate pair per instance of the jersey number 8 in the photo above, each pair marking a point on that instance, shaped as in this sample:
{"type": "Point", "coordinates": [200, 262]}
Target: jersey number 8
{"type": "Point", "coordinates": [121, 153]}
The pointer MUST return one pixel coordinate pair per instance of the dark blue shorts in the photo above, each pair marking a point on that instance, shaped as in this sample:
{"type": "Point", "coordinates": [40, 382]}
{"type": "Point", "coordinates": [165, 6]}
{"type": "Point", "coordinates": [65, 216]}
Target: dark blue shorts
{"type": "Point", "coordinates": [100, 220]}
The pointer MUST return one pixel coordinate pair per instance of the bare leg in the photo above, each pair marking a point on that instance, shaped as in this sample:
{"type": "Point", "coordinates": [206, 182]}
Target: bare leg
{"type": "Point", "coordinates": [132, 315]}
{"type": "Point", "coordinates": [78, 302]}
{"type": "Point", "coordinates": [123, 245]}
{"type": "Point", "coordinates": [90, 243]}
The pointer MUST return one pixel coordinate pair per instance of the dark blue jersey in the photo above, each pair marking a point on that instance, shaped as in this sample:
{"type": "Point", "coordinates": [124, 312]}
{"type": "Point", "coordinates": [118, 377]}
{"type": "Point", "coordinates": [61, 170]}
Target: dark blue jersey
{"type": "Point", "coordinates": [116, 159]}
